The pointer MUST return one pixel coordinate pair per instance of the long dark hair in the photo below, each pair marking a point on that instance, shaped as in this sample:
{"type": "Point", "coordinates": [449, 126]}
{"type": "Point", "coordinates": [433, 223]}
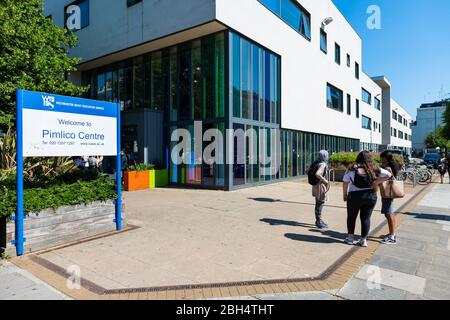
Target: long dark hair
{"type": "Point", "coordinates": [391, 162]}
{"type": "Point", "coordinates": [365, 160]}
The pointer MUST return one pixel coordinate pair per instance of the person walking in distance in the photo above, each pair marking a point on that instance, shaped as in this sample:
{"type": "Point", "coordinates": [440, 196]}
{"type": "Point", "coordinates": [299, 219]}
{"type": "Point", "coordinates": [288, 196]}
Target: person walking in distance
{"type": "Point", "coordinates": [317, 177]}
{"type": "Point", "coordinates": [388, 163]}
{"type": "Point", "coordinates": [360, 187]}
{"type": "Point", "coordinates": [443, 166]}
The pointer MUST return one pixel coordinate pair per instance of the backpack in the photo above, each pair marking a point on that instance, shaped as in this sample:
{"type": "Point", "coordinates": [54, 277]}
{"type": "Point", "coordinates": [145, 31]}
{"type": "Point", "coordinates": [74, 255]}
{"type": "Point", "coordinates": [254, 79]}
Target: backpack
{"type": "Point", "coordinates": [312, 179]}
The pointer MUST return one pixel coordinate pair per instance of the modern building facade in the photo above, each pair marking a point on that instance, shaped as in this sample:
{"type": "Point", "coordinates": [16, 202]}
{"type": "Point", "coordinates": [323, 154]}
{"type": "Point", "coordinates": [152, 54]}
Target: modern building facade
{"type": "Point", "coordinates": [294, 66]}
{"type": "Point", "coordinates": [430, 116]}
{"type": "Point", "coordinates": [397, 122]}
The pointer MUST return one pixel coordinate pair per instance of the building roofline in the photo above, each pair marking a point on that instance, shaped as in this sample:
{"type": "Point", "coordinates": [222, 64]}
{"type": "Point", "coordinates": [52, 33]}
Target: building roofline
{"type": "Point", "coordinates": [345, 18]}
{"type": "Point", "coordinates": [382, 81]}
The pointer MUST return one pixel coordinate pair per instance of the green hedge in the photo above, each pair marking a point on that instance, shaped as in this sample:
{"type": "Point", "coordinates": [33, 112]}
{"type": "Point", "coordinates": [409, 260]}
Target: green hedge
{"type": "Point", "coordinates": [344, 160]}
{"type": "Point", "coordinates": [72, 189]}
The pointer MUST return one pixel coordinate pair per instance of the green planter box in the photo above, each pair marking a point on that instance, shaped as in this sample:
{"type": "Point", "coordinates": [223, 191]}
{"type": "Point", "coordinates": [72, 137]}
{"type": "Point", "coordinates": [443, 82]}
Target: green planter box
{"type": "Point", "coordinates": [159, 178]}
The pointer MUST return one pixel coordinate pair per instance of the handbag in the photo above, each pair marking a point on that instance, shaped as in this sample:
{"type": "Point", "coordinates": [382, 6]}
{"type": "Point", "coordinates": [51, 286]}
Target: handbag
{"type": "Point", "coordinates": [392, 189]}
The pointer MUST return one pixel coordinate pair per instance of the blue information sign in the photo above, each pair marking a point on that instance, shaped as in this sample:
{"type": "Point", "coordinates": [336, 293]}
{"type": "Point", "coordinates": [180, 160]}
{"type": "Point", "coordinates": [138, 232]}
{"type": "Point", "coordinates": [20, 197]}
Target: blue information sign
{"type": "Point", "coordinates": [51, 125]}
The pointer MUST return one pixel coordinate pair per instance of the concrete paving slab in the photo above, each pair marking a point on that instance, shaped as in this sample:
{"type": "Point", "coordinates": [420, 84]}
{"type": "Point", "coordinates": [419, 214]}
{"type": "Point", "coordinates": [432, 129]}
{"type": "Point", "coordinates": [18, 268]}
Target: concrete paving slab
{"type": "Point", "coordinates": [302, 296]}
{"type": "Point", "coordinates": [357, 289]}
{"type": "Point", "coordinates": [395, 264]}
{"type": "Point", "coordinates": [407, 254]}
{"type": "Point", "coordinates": [441, 260]}
{"type": "Point", "coordinates": [430, 271]}
{"type": "Point", "coordinates": [399, 280]}
{"type": "Point", "coordinates": [17, 284]}
{"type": "Point", "coordinates": [437, 289]}
{"type": "Point", "coordinates": [411, 244]}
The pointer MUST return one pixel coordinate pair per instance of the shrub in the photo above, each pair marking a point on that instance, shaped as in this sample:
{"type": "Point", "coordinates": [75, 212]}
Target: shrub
{"type": "Point", "coordinates": [142, 167]}
{"type": "Point", "coordinates": [343, 160]}
{"type": "Point", "coordinates": [66, 190]}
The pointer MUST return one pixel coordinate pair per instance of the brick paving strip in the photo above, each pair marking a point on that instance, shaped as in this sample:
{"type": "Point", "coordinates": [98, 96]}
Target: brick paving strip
{"type": "Point", "coordinates": [330, 281]}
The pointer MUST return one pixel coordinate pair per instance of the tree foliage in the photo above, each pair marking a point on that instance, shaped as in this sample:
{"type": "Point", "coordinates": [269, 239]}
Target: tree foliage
{"type": "Point", "coordinates": [33, 54]}
{"type": "Point", "coordinates": [437, 139]}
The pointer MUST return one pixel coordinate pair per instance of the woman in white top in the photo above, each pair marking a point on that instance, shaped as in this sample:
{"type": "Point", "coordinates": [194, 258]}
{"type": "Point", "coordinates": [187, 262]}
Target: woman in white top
{"type": "Point", "coordinates": [360, 187]}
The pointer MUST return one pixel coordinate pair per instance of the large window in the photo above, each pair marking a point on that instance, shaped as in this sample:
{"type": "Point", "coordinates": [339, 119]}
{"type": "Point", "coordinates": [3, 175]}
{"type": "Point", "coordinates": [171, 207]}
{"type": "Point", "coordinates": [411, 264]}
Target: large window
{"type": "Point", "coordinates": [366, 96]}
{"type": "Point", "coordinates": [292, 13]}
{"type": "Point", "coordinates": [323, 41]}
{"type": "Point", "coordinates": [335, 98]}
{"type": "Point", "coordinates": [366, 123]}
{"type": "Point", "coordinates": [255, 81]}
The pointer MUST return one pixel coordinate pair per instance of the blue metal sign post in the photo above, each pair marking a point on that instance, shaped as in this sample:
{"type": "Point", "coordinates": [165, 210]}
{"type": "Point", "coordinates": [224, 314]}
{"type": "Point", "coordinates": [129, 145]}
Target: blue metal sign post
{"type": "Point", "coordinates": [20, 240]}
{"type": "Point", "coordinates": [118, 219]}
{"type": "Point", "coordinates": [52, 126]}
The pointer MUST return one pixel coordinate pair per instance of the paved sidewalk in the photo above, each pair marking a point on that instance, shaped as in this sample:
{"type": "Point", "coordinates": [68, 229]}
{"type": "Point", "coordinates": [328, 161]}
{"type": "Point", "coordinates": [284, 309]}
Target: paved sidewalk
{"type": "Point", "coordinates": [17, 284]}
{"type": "Point", "coordinates": [417, 268]}
{"type": "Point", "coordinates": [208, 242]}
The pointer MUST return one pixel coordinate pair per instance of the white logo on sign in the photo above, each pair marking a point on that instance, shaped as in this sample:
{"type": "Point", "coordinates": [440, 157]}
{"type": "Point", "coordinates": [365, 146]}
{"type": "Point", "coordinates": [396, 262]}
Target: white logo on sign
{"type": "Point", "coordinates": [74, 17]}
{"type": "Point", "coordinates": [48, 101]}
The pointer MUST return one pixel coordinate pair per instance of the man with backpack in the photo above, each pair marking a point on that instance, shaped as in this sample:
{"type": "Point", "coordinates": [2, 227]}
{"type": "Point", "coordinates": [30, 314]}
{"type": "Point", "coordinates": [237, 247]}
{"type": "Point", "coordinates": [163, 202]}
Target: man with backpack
{"type": "Point", "coordinates": [317, 178]}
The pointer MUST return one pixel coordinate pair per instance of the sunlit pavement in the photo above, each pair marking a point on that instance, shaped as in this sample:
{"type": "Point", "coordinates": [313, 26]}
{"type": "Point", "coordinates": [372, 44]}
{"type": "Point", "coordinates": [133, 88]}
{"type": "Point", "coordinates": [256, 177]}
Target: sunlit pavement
{"type": "Point", "coordinates": [202, 237]}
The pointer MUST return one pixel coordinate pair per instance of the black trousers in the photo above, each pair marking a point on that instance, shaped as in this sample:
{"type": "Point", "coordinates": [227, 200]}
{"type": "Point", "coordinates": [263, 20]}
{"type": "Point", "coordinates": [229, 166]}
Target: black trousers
{"type": "Point", "coordinates": [362, 203]}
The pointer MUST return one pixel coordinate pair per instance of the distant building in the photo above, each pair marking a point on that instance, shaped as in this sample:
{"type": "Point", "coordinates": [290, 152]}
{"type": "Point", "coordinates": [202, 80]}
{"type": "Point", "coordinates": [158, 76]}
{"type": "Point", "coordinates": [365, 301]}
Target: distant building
{"type": "Point", "coordinates": [397, 122]}
{"type": "Point", "coordinates": [430, 116]}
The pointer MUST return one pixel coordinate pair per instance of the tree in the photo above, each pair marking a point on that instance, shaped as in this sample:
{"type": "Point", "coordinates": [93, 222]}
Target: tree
{"type": "Point", "coordinates": [446, 129]}
{"type": "Point", "coordinates": [33, 55]}
{"type": "Point", "coordinates": [436, 139]}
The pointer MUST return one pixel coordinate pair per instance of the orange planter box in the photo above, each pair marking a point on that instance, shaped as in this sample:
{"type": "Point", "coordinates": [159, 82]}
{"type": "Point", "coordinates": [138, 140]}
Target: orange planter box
{"type": "Point", "coordinates": [136, 180]}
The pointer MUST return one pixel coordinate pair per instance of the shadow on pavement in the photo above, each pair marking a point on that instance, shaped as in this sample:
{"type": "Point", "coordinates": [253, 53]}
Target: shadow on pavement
{"type": "Point", "coordinates": [275, 222]}
{"type": "Point", "coordinates": [308, 238]}
{"type": "Point", "coordinates": [269, 200]}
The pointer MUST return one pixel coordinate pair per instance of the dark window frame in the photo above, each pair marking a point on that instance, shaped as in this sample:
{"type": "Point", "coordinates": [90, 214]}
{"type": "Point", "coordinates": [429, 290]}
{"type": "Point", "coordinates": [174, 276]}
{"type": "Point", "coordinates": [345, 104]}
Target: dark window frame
{"type": "Point", "coordinates": [369, 102]}
{"type": "Point", "coordinates": [131, 3]}
{"type": "Point", "coordinates": [337, 53]}
{"type": "Point", "coordinates": [323, 34]}
{"type": "Point", "coordinates": [301, 9]}
{"type": "Point", "coordinates": [363, 117]}
{"type": "Point", "coordinates": [341, 100]}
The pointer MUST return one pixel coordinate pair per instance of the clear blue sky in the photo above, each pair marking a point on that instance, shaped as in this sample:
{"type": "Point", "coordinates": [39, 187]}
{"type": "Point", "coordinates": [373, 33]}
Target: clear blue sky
{"type": "Point", "coordinates": [412, 48]}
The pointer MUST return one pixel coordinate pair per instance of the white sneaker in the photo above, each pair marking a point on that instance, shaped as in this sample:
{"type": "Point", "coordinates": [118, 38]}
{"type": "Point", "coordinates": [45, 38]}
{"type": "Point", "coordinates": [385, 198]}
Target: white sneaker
{"type": "Point", "coordinates": [363, 243]}
{"type": "Point", "coordinates": [350, 241]}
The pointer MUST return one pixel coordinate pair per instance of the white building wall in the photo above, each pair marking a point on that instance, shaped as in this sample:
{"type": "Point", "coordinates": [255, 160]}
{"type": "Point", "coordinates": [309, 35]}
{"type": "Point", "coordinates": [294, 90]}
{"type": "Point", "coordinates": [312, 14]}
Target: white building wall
{"type": "Point", "coordinates": [396, 141]}
{"type": "Point", "coordinates": [370, 136]}
{"type": "Point", "coordinates": [305, 68]}
{"type": "Point", "coordinates": [114, 27]}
